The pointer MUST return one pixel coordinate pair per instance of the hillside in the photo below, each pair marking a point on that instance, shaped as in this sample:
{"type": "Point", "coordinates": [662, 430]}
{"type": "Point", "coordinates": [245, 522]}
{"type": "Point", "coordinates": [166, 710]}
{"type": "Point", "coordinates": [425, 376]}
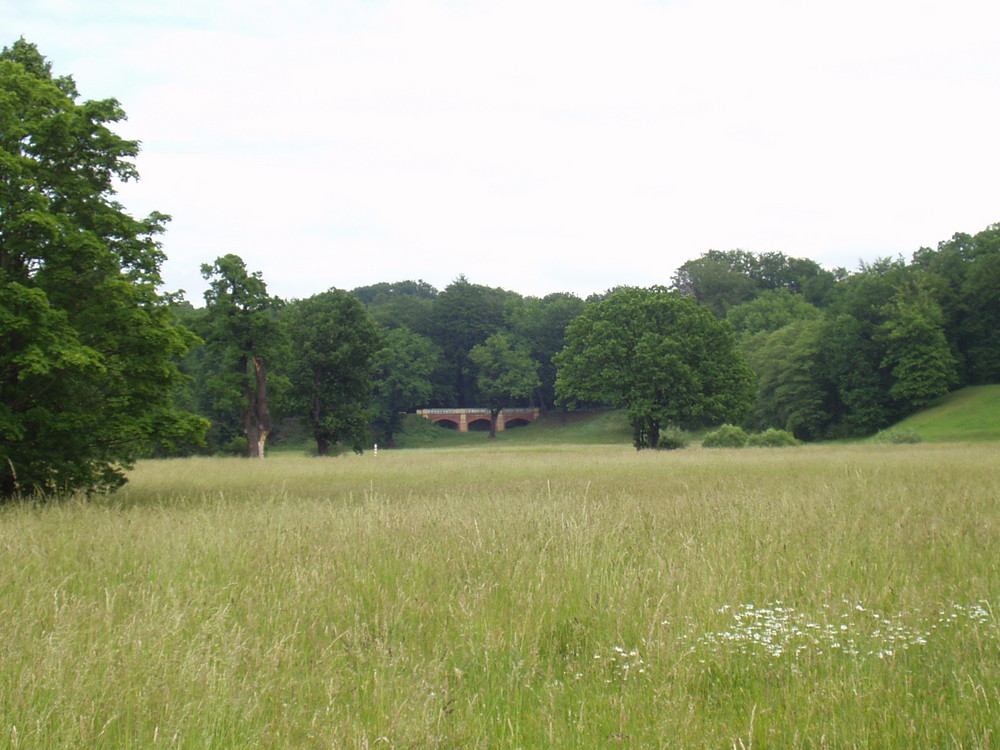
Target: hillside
{"type": "Point", "coordinates": [969, 415]}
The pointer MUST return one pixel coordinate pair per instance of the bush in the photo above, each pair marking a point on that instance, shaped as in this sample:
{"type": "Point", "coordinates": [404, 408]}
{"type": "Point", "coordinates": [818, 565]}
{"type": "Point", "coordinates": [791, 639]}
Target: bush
{"type": "Point", "coordinates": [727, 436]}
{"type": "Point", "coordinates": [772, 438]}
{"type": "Point", "coordinates": [897, 436]}
{"type": "Point", "coordinates": [673, 438]}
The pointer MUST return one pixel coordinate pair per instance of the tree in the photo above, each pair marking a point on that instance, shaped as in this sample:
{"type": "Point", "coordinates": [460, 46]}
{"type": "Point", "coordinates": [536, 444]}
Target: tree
{"type": "Point", "coordinates": [792, 391]}
{"type": "Point", "coordinates": [504, 372]}
{"type": "Point", "coordinates": [660, 356]}
{"type": "Point", "coordinates": [334, 342]}
{"type": "Point", "coordinates": [88, 347]}
{"type": "Point", "coordinates": [770, 311]}
{"type": "Point", "coordinates": [240, 331]}
{"type": "Point", "coordinates": [916, 350]}
{"type": "Point", "coordinates": [406, 365]}
{"type": "Point", "coordinates": [400, 304]}
{"type": "Point", "coordinates": [465, 315]}
{"type": "Point", "coordinates": [541, 323]}
{"type": "Point", "coordinates": [721, 280]}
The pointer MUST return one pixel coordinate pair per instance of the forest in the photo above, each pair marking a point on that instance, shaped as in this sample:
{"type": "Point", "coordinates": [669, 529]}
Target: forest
{"type": "Point", "coordinates": [834, 354]}
{"type": "Point", "coordinates": [99, 366]}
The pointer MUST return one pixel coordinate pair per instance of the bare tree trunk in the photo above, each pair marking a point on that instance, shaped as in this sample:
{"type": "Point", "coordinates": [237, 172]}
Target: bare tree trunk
{"type": "Point", "coordinates": [257, 418]}
{"type": "Point", "coordinates": [494, 413]}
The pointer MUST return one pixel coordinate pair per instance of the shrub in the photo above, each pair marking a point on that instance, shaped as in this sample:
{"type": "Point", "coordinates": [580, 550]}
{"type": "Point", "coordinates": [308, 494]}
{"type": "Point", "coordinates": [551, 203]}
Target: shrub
{"type": "Point", "coordinates": [727, 436]}
{"type": "Point", "coordinates": [772, 438]}
{"type": "Point", "coordinates": [673, 438]}
{"type": "Point", "coordinates": [897, 436]}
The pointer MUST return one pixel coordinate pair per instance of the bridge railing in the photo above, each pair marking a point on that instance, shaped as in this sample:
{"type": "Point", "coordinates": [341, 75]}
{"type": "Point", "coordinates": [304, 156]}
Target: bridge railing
{"type": "Point", "coordinates": [529, 410]}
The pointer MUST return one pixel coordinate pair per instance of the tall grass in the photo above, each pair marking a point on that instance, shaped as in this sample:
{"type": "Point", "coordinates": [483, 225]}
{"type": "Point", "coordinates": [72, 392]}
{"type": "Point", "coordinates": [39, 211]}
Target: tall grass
{"type": "Point", "coordinates": [513, 597]}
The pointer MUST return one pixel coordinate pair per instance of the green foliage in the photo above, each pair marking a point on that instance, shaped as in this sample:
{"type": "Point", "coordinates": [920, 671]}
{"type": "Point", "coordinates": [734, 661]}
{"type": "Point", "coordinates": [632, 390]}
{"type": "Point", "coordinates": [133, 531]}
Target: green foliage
{"type": "Point", "coordinates": [505, 373]}
{"type": "Point", "coordinates": [727, 436]}
{"type": "Point", "coordinates": [673, 438]}
{"type": "Point", "coordinates": [722, 280]}
{"type": "Point", "coordinates": [771, 311]}
{"type": "Point", "coordinates": [771, 438]}
{"type": "Point", "coordinates": [464, 316]}
{"type": "Point", "coordinates": [242, 334]}
{"type": "Point", "coordinates": [406, 366]}
{"type": "Point", "coordinates": [402, 304]}
{"type": "Point", "coordinates": [88, 347]}
{"type": "Point", "coordinates": [659, 356]}
{"type": "Point", "coordinates": [916, 349]}
{"type": "Point", "coordinates": [541, 324]}
{"type": "Point", "coordinates": [334, 344]}
{"type": "Point", "coordinates": [792, 387]}
{"type": "Point", "coordinates": [967, 268]}
{"type": "Point", "coordinates": [853, 353]}
{"type": "Point", "coordinates": [897, 436]}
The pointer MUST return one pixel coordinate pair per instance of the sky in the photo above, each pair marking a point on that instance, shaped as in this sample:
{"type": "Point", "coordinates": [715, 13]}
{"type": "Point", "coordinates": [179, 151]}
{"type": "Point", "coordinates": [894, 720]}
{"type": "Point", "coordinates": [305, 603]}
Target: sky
{"type": "Point", "coordinates": [540, 146]}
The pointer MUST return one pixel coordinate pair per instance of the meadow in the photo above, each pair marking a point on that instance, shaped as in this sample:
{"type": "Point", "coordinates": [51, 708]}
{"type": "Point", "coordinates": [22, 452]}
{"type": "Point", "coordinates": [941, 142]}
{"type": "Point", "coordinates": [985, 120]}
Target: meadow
{"type": "Point", "coordinates": [516, 595]}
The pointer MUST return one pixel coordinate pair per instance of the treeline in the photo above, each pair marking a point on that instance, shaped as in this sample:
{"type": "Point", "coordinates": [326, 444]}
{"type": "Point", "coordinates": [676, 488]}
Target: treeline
{"type": "Point", "coordinates": [840, 355]}
{"type": "Point", "coordinates": [349, 365]}
{"type": "Point", "coordinates": [98, 367]}
{"type": "Point", "coordinates": [835, 353]}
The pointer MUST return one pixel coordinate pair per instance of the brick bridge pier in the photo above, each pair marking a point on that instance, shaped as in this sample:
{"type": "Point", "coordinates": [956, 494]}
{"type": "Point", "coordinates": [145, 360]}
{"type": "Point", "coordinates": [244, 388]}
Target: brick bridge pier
{"type": "Point", "coordinates": [462, 419]}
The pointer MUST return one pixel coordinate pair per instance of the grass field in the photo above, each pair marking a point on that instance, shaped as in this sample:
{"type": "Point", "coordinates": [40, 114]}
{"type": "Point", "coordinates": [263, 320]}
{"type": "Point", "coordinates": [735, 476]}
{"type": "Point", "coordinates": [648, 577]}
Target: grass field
{"type": "Point", "coordinates": [969, 415]}
{"type": "Point", "coordinates": [513, 596]}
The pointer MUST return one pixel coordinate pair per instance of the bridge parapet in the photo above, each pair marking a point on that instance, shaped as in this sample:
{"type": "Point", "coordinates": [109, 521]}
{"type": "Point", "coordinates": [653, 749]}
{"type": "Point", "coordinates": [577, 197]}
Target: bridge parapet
{"type": "Point", "coordinates": [463, 417]}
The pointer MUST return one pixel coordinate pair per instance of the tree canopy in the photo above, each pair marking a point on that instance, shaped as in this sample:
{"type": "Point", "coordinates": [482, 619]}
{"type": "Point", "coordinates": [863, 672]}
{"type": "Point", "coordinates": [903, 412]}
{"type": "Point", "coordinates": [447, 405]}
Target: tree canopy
{"type": "Point", "coordinates": [241, 331]}
{"type": "Point", "coordinates": [87, 344]}
{"type": "Point", "coordinates": [660, 356]}
{"type": "Point", "coordinates": [504, 372]}
{"type": "Point", "coordinates": [334, 343]}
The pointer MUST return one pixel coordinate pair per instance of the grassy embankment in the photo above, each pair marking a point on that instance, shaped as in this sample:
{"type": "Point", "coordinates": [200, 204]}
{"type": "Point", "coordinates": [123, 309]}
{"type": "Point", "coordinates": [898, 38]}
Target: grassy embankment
{"type": "Point", "coordinates": [516, 596]}
{"type": "Point", "coordinates": [969, 415]}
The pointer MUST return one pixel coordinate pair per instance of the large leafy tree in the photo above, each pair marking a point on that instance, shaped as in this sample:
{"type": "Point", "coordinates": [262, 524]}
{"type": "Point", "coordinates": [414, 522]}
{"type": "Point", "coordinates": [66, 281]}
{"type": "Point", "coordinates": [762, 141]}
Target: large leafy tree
{"type": "Point", "coordinates": [334, 343]}
{"type": "Point", "coordinates": [405, 369]}
{"type": "Point", "coordinates": [400, 304]}
{"type": "Point", "coordinates": [721, 280]}
{"type": "Point", "coordinates": [241, 333]}
{"type": "Point", "coordinates": [504, 372]}
{"type": "Point", "coordinates": [87, 344]}
{"type": "Point", "coordinates": [916, 350]}
{"type": "Point", "coordinates": [541, 324]}
{"type": "Point", "coordinates": [464, 316]}
{"type": "Point", "coordinates": [660, 356]}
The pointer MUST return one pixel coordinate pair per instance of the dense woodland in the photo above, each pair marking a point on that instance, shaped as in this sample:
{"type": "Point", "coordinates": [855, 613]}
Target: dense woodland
{"type": "Point", "coordinates": [834, 353]}
{"type": "Point", "coordinates": [98, 366]}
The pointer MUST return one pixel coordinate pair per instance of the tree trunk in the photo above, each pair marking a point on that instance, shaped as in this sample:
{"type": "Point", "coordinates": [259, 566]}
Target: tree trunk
{"type": "Point", "coordinates": [315, 412]}
{"type": "Point", "coordinates": [494, 413]}
{"type": "Point", "coordinates": [654, 433]}
{"type": "Point", "coordinates": [322, 446]}
{"type": "Point", "coordinates": [256, 418]}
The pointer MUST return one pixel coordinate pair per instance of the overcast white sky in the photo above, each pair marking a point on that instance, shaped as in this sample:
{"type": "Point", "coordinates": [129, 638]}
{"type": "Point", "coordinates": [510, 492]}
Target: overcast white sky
{"type": "Point", "coordinates": [538, 145]}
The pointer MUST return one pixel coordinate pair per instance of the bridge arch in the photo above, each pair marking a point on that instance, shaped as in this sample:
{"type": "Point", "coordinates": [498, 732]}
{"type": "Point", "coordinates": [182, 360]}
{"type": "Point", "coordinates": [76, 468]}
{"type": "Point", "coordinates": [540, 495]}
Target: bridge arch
{"type": "Point", "coordinates": [463, 419]}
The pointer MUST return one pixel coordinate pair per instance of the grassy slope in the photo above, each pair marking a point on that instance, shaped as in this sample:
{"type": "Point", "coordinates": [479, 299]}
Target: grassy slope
{"type": "Point", "coordinates": [969, 415]}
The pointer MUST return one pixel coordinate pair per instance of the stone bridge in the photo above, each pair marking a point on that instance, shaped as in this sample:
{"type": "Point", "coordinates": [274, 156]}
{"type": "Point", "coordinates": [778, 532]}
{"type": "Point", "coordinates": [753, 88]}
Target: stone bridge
{"type": "Point", "coordinates": [463, 419]}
